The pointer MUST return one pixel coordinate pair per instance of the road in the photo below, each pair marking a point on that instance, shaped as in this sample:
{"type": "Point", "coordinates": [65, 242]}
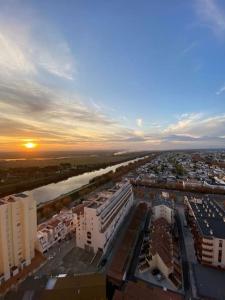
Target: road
{"type": "Point", "coordinates": [189, 254]}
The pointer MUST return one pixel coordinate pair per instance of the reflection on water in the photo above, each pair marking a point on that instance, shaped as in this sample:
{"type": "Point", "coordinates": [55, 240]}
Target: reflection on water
{"type": "Point", "coordinates": [53, 190]}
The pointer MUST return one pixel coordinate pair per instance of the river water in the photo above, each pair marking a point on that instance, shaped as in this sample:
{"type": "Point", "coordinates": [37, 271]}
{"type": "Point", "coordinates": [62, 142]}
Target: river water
{"type": "Point", "coordinates": [53, 190]}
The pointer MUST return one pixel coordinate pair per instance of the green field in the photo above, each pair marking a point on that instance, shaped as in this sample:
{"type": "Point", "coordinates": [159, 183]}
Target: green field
{"type": "Point", "coordinates": [19, 160]}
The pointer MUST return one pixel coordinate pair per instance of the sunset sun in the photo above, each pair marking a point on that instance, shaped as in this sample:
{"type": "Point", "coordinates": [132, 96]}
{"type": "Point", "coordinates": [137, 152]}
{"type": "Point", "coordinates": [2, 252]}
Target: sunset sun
{"type": "Point", "coordinates": [30, 145]}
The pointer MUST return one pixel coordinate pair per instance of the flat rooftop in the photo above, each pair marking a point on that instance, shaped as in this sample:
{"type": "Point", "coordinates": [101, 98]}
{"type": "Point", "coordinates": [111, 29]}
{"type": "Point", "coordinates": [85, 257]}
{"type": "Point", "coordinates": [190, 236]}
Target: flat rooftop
{"type": "Point", "coordinates": [13, 198]}
{"type": "Point", "coordinates": [91, 287]}
{"type": "Point", "coordinates": [141, 290]}
{"type": "Point", "coordinates": [95, 200]}
{"type": "Point", "coordinates": [210, 218]}
{"type": "Point", "coordinates": [121, 259]}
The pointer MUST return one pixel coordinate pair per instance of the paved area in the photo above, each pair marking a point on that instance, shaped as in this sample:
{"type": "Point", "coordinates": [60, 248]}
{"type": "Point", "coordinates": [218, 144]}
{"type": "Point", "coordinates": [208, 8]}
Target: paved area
{"type": "Point", "coordinates": [210, 282]}
{"type": "Point", "coordinates": [189, 253]}
{"type": "Point", "coordinates": [188, 240]}
{"type": "Point", "coordinates": [63, 258]}
{"type": "Point", "coordinates": [66, 258]}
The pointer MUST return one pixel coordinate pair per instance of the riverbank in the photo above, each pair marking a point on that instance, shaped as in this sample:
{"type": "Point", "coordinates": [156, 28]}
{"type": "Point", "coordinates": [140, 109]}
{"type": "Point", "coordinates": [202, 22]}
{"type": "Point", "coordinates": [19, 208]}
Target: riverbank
{"type": "Point", "coordinates": [46, 210]}
{"type": "Point", "coordinates": [22, 179]}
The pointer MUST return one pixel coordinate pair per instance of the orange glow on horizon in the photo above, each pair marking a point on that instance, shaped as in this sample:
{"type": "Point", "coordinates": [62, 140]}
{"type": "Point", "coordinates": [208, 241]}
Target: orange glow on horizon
{"type": "Point", "coordinates": [30, 145]}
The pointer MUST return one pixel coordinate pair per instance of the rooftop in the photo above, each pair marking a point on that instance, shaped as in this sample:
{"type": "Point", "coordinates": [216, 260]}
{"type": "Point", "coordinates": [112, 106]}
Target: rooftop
{"type": "Point", "coordinates": [97, 199]}
{"type": "Point", "coordinates": [121, 259]}
{"type": "Point", "coordinates": [161, 238]}
{"type": "Point", "coordinates": [141, 290]}
{"type": "Point", "coordinates": [210, 218]}
{"type": "Point", "coordinates": [77, 287]}
{"type": "Point", "coordinates": [13, 198]}
{"type": "Point", "coordinates": [162, 201]}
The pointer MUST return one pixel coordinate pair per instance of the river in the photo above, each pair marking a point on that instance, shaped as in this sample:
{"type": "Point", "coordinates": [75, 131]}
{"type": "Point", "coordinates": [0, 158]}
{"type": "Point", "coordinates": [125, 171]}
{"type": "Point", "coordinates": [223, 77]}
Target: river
{"type": "Point", "coordinates": [53, 190]}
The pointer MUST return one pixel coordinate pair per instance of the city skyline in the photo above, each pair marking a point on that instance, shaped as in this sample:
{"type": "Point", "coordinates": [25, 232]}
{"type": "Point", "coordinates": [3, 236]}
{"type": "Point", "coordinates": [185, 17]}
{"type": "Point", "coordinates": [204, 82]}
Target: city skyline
{"type": "Point", "coordinates": [112, 75]}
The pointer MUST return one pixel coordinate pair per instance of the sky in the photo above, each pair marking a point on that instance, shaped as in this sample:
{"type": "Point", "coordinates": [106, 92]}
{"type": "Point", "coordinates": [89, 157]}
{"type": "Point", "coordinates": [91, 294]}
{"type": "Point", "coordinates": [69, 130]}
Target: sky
{"type": "Point", "coordinates": [131, 75]}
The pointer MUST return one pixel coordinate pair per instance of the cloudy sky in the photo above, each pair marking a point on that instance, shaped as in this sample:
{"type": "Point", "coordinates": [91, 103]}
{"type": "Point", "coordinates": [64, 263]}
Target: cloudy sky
{"type": "Point", "coordinates": [112, 74]}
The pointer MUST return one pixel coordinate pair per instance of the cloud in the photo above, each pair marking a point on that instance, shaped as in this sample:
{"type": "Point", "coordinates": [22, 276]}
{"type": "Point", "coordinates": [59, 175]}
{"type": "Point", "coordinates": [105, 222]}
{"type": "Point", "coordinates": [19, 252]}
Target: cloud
{"type": "Point", "coordinates": [211, 15]}
{"type": "Point", "coordinates": [221, 90]}
{"type": "Point", "coordinates": [27, 49]}
{"type": "Point", "coordinates": [198, 125]}
{"type": "Point", "coordinates": [189, 48]}
{"type": "Point", "coordinates": [139, 122]}
{"type": "Point", "coordinates": [29, 109]}
{"type": "Point", "coordinates": [185, 121]}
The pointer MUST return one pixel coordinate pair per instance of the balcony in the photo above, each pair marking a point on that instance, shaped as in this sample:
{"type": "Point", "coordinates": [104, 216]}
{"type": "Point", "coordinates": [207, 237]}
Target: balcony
{"type": "Point", "coordinates": [207, 245]}
{"type": "Point", "coordinates": [207, 249]}
{"type": "Point", "coordinates": [207, 257]}
{"type": "Point", "coordinates": [206, 262]}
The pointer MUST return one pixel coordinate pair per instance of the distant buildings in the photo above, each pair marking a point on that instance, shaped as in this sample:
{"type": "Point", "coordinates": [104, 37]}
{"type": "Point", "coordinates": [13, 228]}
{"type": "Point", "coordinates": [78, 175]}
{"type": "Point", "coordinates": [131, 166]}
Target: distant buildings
{"type": "Point", "coordinates": [207, 221]}
{"type": "Point", "coordinates": [183, 170]}
{"type": "Point", "coordinates": [54, 230]}
{"type": "Point", "coordinates": [18, 227]}
{"type": "Point", "coordinates": [98, 219]}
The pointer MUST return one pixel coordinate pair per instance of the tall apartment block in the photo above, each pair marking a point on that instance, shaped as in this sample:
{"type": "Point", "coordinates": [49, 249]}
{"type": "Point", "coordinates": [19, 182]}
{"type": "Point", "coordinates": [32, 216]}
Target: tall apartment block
{"type": "Point", "coordinates": [18, 230]}
{"type": "Point", "coordinates": [98, 219]}
{"type": "Point", "coordinates": [207, 222]}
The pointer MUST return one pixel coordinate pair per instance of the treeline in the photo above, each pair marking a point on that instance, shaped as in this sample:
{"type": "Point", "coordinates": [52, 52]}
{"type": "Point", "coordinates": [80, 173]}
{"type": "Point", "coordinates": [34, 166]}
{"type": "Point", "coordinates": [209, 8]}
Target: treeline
{"type": "Point", "coordinates": [76, 197]}
{"type": "Point", "coordinates": [17, 180]}
{"type": "Point", "coordinates": [179, 186]}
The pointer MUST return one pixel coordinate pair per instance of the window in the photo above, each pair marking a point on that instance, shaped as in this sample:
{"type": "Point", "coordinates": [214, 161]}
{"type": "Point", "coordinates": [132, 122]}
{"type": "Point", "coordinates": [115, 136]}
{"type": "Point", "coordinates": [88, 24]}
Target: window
{"type": "Point", "coordinates": [220, 256]}
{"type": "Point", "coordinates": [220, 243]}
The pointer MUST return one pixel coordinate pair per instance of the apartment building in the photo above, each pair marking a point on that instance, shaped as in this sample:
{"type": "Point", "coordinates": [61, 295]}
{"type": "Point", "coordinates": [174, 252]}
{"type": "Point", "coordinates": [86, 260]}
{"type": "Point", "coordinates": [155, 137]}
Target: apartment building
{"type": "Point", "coordinates": [207, 221]}
{"type": "Point", "coordinates": [164, 252]}
{"type": "Point", "coordinates": [98, 219]}
{"type": "Point", "coordinates": [160, 251]}
{"type": "Point", "coordinates": [18, 227]}
{"type": "Point", "coordinates": [163, 208]}
{"type": "Point", "coordinates": [54, 230]}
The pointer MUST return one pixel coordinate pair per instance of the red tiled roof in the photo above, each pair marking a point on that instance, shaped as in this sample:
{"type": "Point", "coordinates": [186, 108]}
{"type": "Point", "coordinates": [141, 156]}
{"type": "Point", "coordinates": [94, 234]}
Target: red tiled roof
{"type": "Point", "coordinates": [141, 291]}
{"type": "Point", "coordinates": [54, 222]}
{"type": "Point", "coordinates": [121, 259]}
{"type": "Point", "coordinates": [79, 209]}
{"type": "Point", "coordinates": [161, 241]}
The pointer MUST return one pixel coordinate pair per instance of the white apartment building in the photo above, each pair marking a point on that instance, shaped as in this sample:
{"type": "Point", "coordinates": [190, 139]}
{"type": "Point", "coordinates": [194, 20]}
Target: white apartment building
{"type": "Point", "coordinates": [98, 219]}
{"type": "Point", "coordinates": [54, 230]}
{"type": "Point", "coordinates": [163, 208]}
{"type": "Point", "coordinates": [18, 227]}
{"type": "Point", "coordinates": [207, 221]}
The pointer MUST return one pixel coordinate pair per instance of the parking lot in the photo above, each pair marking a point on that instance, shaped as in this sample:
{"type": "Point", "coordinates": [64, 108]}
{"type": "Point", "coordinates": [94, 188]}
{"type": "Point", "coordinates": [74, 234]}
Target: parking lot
{"type": "Point", "coordinates": [66, 258]}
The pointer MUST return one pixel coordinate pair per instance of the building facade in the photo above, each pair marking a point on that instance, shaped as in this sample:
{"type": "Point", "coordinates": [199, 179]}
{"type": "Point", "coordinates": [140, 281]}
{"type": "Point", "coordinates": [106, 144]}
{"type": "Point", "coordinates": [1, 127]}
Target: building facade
{"type": "Point", "coordinates": [54, 230]}
{"type": "Point", "coordinates": [98, 219]}
{"type": "Point", "coordinates": [160, 248]}
{"type": "Point", "coordinates": [18, 227]}
{"type": "Point", "coordinates": [163, 208]}
{"type": "Point", "coordinates": [207, 221]}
